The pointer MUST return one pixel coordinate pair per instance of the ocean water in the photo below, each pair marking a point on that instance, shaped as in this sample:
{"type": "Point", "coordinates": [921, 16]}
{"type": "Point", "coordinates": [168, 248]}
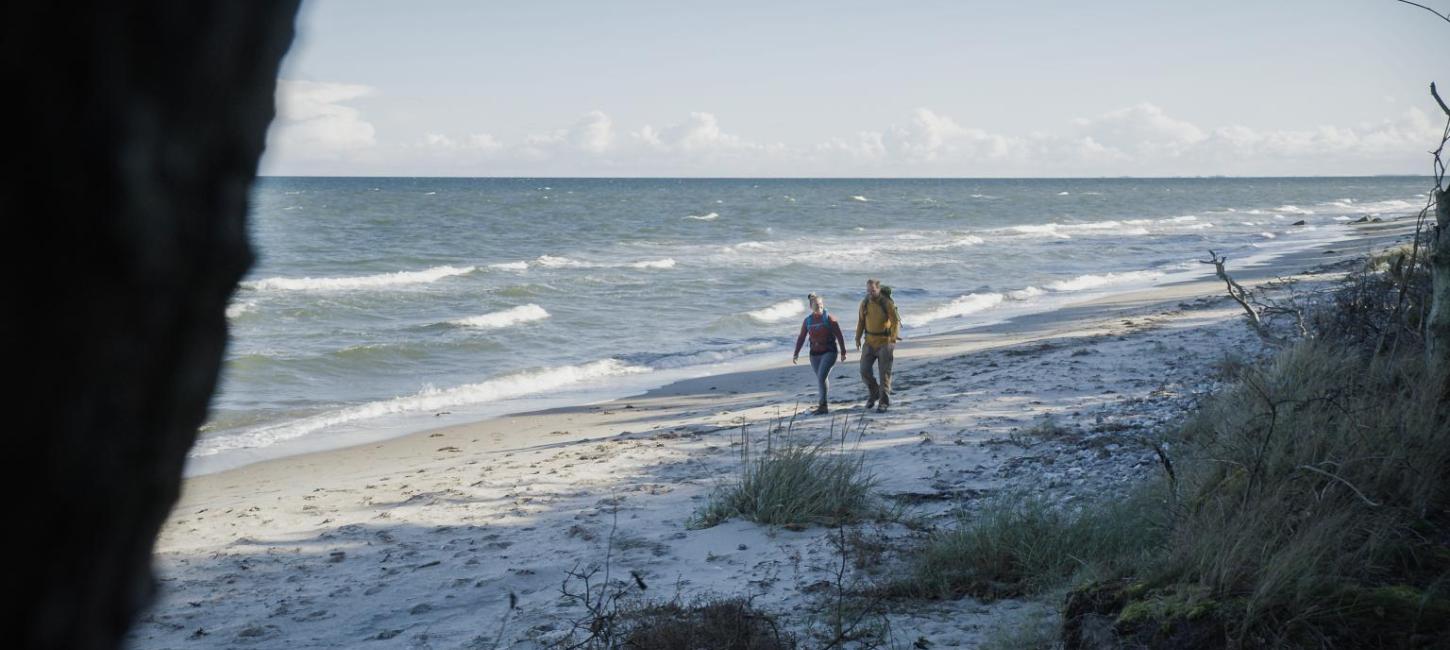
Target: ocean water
{"type": "Point", "coordinates": [382, 306]}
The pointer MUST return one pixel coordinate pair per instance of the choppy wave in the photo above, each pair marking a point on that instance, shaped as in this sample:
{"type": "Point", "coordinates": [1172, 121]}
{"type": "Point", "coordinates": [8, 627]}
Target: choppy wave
{"type": "Point", "coordinates": [510, 266]}
{"type": "Point", "coordinates": [1066, 230]}
{"type": "Point", "coordinates": [380, 281]}
{"type": "Point", "coordinates": [704, 217]}
{"type": "Point", "coordinates": [429, 399]}
{"type": "Point", "coordinates": [1292, 209]}
{"type": "Point", "coordinates": [860, 199]}
{"type": "Point", "coordinates": [506, 318]}
{"type": "Point", "coordinates": [552, 262]}
{"type": "Point", "coordinates": [783, 310]}
{"type": "Point", "coordinates": [706, 357]}
{"type": "Point", "coordinates": [961, 306]}
{"type": "Point", "coordinates": [240, 307]}
{"type": "Point", "coordinates": [653, 264]}
{"type": "Point", "coordinates": [1093, 281]}
{"type": "Point", "coordinates": [1371, 207]}
{"type": "Point", "coordinates": [1025, 294]}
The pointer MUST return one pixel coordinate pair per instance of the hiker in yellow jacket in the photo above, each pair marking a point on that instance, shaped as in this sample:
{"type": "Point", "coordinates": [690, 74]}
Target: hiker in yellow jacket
{"type": "Point", "coordinates": [881, 324]}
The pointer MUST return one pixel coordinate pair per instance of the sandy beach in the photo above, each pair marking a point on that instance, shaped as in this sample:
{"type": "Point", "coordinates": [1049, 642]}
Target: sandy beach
{"type": "Point", "coordinates": [420, 541]}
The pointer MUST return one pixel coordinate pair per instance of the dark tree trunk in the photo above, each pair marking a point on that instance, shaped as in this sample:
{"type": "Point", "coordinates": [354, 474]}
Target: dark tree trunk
{"type": "Point", "coordinates": [135, 133]}
{"type": "Point", "coordinates": [1437, 327]}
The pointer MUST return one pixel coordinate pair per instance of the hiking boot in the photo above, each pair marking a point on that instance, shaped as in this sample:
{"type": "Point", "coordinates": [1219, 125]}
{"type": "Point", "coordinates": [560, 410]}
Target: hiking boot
{"type": "Point", "coordinates": [821, 410]}
{"type": "Point", "coordinates": [885, 403]}
{"type": "Point", "coordinates": [871, 403]}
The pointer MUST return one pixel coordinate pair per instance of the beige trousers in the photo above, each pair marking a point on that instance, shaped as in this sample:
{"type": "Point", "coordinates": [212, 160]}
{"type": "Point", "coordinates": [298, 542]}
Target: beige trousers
{"type": "Point", "coordinates": [881, 355]}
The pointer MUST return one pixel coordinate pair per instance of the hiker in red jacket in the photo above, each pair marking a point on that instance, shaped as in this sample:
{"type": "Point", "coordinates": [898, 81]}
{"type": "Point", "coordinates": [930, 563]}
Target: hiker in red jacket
{"type": "Point", "coordinates": [826, 343]}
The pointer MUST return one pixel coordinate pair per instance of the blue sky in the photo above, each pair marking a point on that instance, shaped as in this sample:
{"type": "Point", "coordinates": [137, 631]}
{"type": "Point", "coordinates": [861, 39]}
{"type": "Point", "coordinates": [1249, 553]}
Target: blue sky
{"type": "Point", "coordinates": [859, 89]}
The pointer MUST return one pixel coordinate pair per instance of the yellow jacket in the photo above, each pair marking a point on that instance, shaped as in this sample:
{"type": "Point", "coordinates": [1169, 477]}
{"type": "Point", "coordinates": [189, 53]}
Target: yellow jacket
{"type": "Point", "coordinates": [879, 320]}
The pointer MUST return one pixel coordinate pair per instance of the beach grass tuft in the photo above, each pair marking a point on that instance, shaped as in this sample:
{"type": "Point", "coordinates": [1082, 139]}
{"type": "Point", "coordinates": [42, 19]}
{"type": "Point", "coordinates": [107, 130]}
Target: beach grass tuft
{"type": "Point", "coordinates": [795, 482]}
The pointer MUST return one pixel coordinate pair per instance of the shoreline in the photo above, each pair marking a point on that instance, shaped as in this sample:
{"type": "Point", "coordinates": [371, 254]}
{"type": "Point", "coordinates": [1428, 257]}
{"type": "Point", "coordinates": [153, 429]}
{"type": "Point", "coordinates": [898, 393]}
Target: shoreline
{"type": "Point", "coordinates": [384, 428]}
{"type": "Point", "coordinates": [429, 533]}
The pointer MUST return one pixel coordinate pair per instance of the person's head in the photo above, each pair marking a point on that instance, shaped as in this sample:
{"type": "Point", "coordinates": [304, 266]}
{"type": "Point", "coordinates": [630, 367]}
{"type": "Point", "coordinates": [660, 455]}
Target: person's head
{"type": "Point", "coordinates": [873, 287]}
{"type": "Point", "coordinates": [818, 304]}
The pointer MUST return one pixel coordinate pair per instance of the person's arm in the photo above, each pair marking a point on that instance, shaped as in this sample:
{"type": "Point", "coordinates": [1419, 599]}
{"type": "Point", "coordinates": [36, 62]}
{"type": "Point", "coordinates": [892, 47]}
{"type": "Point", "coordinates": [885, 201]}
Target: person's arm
{"type": "Point", "coordinates": [840, 337]}
{"type": "Point", "coordinates": [799, 339]}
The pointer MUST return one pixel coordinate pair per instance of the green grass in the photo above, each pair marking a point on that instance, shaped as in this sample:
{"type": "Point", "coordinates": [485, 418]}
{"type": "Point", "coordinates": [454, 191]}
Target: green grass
{"type": "Point", "coordinates": [1024, 545]}
{"type": "Point", "coordinates": [795, 483]}
{"type": "Point", "coordinates": [1317, 477]}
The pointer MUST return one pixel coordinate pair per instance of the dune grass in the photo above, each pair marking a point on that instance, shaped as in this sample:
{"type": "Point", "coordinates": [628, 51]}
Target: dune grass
{"type": "Point", "coordinates": [795, 482]}
{"type": "Point", "coordinates": [1022, 545]}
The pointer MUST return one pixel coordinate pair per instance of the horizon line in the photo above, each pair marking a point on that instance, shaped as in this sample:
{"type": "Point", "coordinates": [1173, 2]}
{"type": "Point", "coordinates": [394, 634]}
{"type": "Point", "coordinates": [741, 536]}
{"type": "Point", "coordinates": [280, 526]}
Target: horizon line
{"type": "Point", "coordinates": [851, 178]}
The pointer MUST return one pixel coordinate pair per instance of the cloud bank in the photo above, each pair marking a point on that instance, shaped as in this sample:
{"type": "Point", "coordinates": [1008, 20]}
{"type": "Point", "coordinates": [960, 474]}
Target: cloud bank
{"type": "Point", "coordinates": [320, 130]}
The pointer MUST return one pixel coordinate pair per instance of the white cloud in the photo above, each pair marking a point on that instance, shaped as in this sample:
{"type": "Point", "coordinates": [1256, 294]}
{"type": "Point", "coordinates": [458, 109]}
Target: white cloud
{"type": "Point", "coordinates": [479, 142]}
{"type": "Point", "coordinates": [314, 123]}
{"type": "Point", "coordinates": [593, 134]}
{"type": "Point", "coordinates": [931, 137]}
{"type": "Point", "coordinates": [1143, 130]}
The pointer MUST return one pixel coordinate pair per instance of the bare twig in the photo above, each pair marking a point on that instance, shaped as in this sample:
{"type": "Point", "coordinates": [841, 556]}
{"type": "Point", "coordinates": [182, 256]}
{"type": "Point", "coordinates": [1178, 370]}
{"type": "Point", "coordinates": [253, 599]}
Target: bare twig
{"type": "Point", "coordinates": [1445, 17]}
{"type": "Point", "coordinates": [1436, 94]}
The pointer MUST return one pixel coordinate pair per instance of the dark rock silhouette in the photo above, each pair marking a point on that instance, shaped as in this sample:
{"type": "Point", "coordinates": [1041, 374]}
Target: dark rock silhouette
{"type": "Point", "coordinates": [135, 137]}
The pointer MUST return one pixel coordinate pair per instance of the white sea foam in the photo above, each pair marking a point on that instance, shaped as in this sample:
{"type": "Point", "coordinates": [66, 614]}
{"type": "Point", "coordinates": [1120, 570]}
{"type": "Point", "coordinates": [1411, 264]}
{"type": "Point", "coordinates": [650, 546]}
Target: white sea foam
{"type": "Point", "coordinates": [710, 356]}
{"type": "Point", "coordinates": [379, 281]}
{"type": "Point", "coordinates": [1065, 230]}
{"type": "Point", "coordinates": [860, 199]}
{"type": "Point", "coordinates": [744, 246]}
{"type": "Point", "coordinates": [960, 306]}
{"type": "Point", "coordinates": [238, 308]}
{"type": "Point", "coordinates": [553, 262]}
{"type": "Point", "coordinates": [1266, 235]}
{"type": "Point", "coordinates": [1064, 193]}
{"type": "Point", "coordinates": [704, 217]}
{"type": "Point", "coordinates": [506, 318]}
{"type": "Point", "coordinates": [429, 399]}
{"type": "Point", "coordinates": [1025, 294]}
{"type": "Point", "coordinates": [1091, 281]}
{"type": "Point", "coordinates": [1292, 209]}
{"type": "Point", "coordinates": [783, 310]}
{"type": "Point", "coordinates": [666, 263]}
{"type": "Point", "coordinates": [510, 266]}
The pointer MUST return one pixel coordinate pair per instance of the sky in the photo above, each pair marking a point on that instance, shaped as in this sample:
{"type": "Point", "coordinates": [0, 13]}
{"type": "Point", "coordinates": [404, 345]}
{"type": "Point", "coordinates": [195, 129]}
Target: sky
{"type": "Point", "coordinates": [860, 89]}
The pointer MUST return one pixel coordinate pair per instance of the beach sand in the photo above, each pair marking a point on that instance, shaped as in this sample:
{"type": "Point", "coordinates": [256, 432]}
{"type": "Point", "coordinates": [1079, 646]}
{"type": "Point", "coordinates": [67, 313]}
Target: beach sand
{"type": "Point", "coordinates": [419, 541]}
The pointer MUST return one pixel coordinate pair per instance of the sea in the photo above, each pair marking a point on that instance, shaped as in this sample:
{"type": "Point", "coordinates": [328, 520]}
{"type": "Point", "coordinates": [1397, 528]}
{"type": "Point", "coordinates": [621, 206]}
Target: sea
{"type": "Point", "coordinates": [384, 306]}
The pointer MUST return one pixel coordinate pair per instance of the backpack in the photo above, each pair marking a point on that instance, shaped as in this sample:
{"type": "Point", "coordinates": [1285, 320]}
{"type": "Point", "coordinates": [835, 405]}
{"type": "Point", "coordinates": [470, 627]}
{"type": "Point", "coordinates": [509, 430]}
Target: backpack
{"type": "Point", "coordinates": [886, 303]}
{"type": "Point", "coordinates": [825, 320]}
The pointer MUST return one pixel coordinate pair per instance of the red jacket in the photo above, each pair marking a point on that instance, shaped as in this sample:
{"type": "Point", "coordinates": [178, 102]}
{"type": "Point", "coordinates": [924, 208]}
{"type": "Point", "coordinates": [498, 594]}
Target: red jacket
{"type": "Point", "coordinates": [822, 332]}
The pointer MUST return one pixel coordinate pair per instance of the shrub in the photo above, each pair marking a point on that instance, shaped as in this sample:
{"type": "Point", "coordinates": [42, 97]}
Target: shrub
{"type": "Point", "coordinates": [1314, 481]}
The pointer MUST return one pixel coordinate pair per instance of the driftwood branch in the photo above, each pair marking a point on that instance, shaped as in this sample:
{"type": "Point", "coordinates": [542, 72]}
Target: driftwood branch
{"type": "Point", "coordinates": [1236, 291]}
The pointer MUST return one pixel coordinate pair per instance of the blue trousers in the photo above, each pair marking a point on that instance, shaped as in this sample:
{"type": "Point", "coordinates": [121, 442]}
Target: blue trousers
{"type": "Point", "coordinates": [821, 364]}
